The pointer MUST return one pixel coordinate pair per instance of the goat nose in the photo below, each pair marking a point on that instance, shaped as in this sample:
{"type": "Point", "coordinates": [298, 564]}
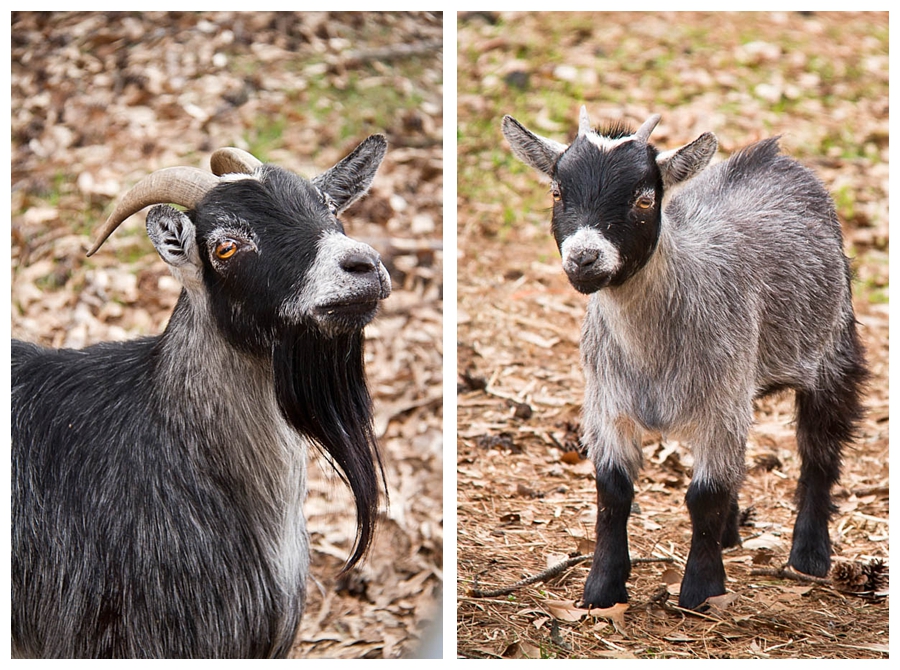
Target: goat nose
{"type": "Point", "coordinates": [359, 263]}
{"type": "Point", "coordinates": [584, 258]}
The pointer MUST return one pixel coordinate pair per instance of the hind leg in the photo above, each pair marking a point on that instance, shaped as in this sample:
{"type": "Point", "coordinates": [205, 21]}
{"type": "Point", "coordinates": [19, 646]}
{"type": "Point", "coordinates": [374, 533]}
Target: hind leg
{"type": "Point", "coordinates": [826, 421]}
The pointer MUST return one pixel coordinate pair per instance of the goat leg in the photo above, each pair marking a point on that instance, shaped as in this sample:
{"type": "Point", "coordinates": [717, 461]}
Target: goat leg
{"type": "Point", "coordinates": [704, 574]}
{"type": "Point", "coordinates": [611, 567]}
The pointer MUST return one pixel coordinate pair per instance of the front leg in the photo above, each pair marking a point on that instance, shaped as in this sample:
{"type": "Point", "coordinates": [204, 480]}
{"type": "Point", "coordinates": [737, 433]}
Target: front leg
{"type": "Point", "coordinates": [704, 574]}
{"type": "Point", "coordinates": [611, 567]}
{"type": "Point", "coordinates": [712, 502]}
{"type": "Point", "coordinates": [613, 440]}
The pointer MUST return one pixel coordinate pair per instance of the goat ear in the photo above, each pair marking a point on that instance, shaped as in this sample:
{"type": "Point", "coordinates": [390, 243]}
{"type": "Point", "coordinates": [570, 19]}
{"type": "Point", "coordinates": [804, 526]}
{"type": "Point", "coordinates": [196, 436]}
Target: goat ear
{"type": "Point", "coordinates": [174, 236]}
{"type": "Point", "coordinates": [534, 150]}
{"type": "Point", "coordinates": [679, 165]}
{"type": "Point", "coordinates": [351, 177]}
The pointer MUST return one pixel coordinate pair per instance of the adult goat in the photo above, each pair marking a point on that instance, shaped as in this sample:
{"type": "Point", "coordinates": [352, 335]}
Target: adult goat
{"type": "Point", "coordinates": [158, 484]}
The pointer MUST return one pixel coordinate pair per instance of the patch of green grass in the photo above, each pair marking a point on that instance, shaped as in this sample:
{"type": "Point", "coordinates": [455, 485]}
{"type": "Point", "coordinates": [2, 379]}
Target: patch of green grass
{"type": "Point", "coordinates": [62, 182]}
{"type": "Point", "coordinates": [871, 291]}
{"type": "Point", "coordinates": [841, 143]}
{"type": "Point", "coordinates": [546, 653]}
{"type": "Point", "coordinates": [87, 221]}
{"type": "Point", "coordinates": [139, 248]}
{"type": "Point", "coordinates": [879, 297]}
{"type": "Point", "coordinates": [845, 202]}
{"type": "Point", "coordinates": [871, 278]}
{"type": "Point", "coordinates": [52, 281]}
{"type": "Point", "coordinates": [360, 101]}
{"type": "Point", "coordinates": [266, 135]}
{"type": "Point", "coordinates": [357, 105]}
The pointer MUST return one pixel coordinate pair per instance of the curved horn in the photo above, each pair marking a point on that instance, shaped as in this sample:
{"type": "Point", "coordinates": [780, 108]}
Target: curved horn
{"type": "Point", "coordinates": [183, 186]}
{"type": "Point", "coordinates": [643, 133]}
{"type": "Point", "coordinates": [233, 161]}
{"type": "Point", "coordinates": [584, 123]}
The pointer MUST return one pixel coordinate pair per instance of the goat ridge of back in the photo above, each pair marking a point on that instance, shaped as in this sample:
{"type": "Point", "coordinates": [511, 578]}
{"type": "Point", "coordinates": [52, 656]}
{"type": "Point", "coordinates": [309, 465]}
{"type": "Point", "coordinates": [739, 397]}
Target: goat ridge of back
{"type": "Point", "coordinates": [158, 484]}
{"type": "Point", "coordinates": [710, 286]}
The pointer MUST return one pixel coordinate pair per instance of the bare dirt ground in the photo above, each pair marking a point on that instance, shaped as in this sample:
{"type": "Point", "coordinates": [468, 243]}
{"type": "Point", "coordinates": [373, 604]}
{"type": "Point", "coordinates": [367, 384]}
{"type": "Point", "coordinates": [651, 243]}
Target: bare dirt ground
{"type": "Point", "coordinates": [526, 498]}
{"type": "Point", "coordinates": [99, 101]}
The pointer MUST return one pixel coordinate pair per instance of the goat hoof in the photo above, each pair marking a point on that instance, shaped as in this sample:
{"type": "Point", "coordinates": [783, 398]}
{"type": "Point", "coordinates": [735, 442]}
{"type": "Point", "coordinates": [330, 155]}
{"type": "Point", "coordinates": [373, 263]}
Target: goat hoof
{"type": "Point", "coordinates": [811, 551]}
{"type": "Point", "coordinates": [604, 596]}
{"type": "Point", "coordinates": [815, 563]}
{"type": "Point", "coordinates": [693, 596]}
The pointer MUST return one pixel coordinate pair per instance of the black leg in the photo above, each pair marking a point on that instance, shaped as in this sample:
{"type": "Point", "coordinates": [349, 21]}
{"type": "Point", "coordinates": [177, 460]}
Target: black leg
{"type": "Point", "coordinates": [730, 535]}
{"type": "Point", "coordinates": [611, 567]}
{"type": "Point", "coordinates": [826, 421]}
{"type": "Point", "coordinates": [811, 546]}
{"type": "Point", "coordinates": [704, 575]}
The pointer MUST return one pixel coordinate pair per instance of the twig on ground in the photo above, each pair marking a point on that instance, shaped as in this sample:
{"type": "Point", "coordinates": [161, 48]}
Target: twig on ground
{"type": "Point", "coordinates": [785, 573]}
{"type": "Point", "coordinates": [551, 572]}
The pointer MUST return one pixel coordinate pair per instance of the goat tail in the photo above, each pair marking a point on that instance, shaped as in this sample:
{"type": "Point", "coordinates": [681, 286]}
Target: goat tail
{"type": "Point", "coordinates": [320, 384]}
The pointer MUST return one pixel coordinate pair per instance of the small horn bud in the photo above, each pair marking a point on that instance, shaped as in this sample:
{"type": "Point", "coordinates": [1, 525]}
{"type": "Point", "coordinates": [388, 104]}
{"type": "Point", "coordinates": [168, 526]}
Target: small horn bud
{"type": "Point", "coordinates": [643, 133]}
{"type": "Point", "coordinates": [584, 123]}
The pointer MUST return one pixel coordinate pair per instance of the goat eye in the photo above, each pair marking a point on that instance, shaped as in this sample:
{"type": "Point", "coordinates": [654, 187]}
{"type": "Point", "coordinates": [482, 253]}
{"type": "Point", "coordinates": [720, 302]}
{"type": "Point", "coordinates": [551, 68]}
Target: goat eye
{"type": "Point", "coordinates": [554, 191]}
{"type": "Point", "coordinates": [226, 249]}
{"type": "Point", "coordinates": [644, 202]}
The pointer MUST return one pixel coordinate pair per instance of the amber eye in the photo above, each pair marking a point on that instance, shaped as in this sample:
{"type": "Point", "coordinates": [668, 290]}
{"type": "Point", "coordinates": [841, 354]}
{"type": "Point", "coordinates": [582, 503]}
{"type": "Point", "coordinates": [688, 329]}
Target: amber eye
{"type": "Point", "coordinates": [644, 202]}
{"type": "Point", "coordinates": [554, 191]}
{"type": "Point", "coordinates": [226, 249]}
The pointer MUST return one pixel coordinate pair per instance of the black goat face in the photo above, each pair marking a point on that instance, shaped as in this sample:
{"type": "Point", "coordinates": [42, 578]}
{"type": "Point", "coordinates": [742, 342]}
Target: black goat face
{"type": "Point", "coordinates": [267, 251]}
{"type": "Point", "coordinates": [606, 213]}
{"type": "Point", "coordinates": [288, 258]}
{"type": "Point", "coordinates": [608, 189]}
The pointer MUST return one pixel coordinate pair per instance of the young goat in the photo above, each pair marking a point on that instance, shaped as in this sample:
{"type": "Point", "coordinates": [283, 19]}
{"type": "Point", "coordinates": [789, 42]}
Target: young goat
{"type": "Point", "coordinates": [708, 288]}
{"type": "Point", "coordinates": [158, 484]}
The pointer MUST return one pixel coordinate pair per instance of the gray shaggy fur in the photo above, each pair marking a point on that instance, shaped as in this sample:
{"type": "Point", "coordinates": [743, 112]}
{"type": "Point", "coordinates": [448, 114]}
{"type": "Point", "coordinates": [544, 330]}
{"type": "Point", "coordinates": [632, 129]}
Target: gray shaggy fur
{"type": "Point", "coordinates": [158, 484]}
{"type": "Point", "coordinates": [709, 287]}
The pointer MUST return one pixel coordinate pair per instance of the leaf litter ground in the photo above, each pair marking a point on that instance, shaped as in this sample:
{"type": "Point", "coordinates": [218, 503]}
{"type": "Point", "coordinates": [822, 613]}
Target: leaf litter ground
{"type": "Point", "coordinates": [100, 100]}
{"type": "Point", "coordinates": [526, 497]}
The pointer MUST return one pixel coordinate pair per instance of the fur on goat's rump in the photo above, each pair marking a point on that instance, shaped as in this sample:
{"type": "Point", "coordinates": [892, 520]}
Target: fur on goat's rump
{"type": "Point", "coordinates": [158, 484]}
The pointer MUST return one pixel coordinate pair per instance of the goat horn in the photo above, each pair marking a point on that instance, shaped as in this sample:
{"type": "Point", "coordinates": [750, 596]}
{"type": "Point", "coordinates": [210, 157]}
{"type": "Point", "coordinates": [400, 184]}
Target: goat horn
{"type": "Point", "coordinates": [584, 123]}
{"type": "Point", "coordinates": [233, 161]}
{"type": "Point", "coordinates": [183, 186]}
{"type": "Point", "coordinates": [643, 133]}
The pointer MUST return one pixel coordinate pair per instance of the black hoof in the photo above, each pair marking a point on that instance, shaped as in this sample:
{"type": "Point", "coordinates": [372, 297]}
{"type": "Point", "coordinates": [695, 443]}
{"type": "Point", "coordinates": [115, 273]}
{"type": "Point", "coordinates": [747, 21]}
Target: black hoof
{"type": "Point", "coordinates": [815, 561]}
{"type": "Point", "coordinates": [693, 597]}
{"type": "Point", "coordinates": [603, 596]}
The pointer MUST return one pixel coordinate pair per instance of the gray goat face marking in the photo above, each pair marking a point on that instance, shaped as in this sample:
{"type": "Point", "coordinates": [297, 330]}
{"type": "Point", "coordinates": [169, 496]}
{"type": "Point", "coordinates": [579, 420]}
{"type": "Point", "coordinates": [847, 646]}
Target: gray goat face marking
{"type": "Point", "coordinates": [608, 189]}
{"type": "Point", "coordinates": [267, 251]}
{"type": "Point", "coordinates": [342, 287]}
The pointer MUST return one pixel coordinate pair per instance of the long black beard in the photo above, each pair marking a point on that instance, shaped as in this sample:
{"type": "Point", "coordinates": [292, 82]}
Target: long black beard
{"type": "Point", "coordinates": [320, 383]}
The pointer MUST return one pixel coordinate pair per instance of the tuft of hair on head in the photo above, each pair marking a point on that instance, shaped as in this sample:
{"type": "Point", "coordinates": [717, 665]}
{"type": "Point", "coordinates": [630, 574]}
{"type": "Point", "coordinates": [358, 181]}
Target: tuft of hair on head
{"type": "Point", "coordinates": [615, 130]}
